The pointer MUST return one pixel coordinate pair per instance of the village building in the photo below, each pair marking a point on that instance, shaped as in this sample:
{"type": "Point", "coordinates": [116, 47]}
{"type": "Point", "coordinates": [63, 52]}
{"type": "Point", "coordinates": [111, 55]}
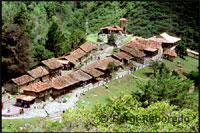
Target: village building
{"type": "Point", "coordinates": [22, 100]}
{"type": "Point", "coordinates": [67, 65]}
{"type": "Point", "coordinates": [60, 86]}
{"type": "Point", "coordinates": [137, 55]}
{"type": "Point", "coordinates": [193, 54]}
{"type": "Point", "coordinates": [96, 74]}
{"type": "Point", "coordinates": [123, 24]}
{"type": "Point", "coordinates": [88, 48]}
{"type": "Point", "coordinates": [168, 42]}
{"type": "Point", "coordinates": [53, 66]}
{"type": "Point", "coordinates": [103, 64]}
{"type": "Point", "coordinates": [40, 90]}
{"type": "Point", "coordinates": [16, 84]}
{"type": "Point", "coordinates": [63, 84]}
{"type": "Point", "coordinates": [83, 77]}
{"type": "Point", "coordinates": [72, 62]}
{"type": "Point", "coordinates": [115, 29]}
{"type": "Point", "coordinates": [122, 57]}
{"type": "Point", "coordinates": [39, 74]}
{"type": "Point", "coordinates": [111, 29]}
{"type": "Point", "coordinates": [79, 55]}
{"type": "Point", "coordinates": [169, 54]}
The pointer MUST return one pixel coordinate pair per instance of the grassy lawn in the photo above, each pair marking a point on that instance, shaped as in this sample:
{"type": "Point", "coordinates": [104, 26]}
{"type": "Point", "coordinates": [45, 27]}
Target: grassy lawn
{"type": "Point", "coordinates": [16, 123]}
{"type": "Point", "coordinates": [94, 37]}
{"type": "Point", "coordinates": [128, 84]}
{"type": "Point", "coordinates": [188, 65]}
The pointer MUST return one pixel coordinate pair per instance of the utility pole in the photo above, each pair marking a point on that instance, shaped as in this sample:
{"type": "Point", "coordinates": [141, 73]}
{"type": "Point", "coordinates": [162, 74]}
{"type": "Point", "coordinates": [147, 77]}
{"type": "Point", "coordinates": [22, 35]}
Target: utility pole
{"type": "Point", "coordinates": [86, 24]}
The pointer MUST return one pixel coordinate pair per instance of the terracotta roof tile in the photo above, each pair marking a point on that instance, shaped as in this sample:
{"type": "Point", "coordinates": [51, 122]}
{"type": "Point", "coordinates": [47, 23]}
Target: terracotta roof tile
{"type": "Point", "coordinates": [38, 86]}
{"type": "Point", "coordinates": [112, 28]}
{"type": "Point", "coordinates": [103, 64]}
{"type": "Point", "coordinates": [38, 72]}
{"type": "Point", "coordinates": [52, 63]}
{"type": "Point", "coordinates": [71, 59]}
{"type": "Point", "coordinates": [133, 51]}
{"type": "Point", "coordinates": [92, 71]}
{"type": "Point", "coordinates": [87, 47]}
{"type": "Point", "coordinates": [23, 79]}
{"type": "Point", "coordinates": [170, 53]}
{"type": "Point", "coordinates": [82, 76]}
{"type": "Point", "coordinates": [77, 53]}
{"type": "Point", "coordinates": [122, 55]}
{"type": "Point", "coordinates": [60, 82]}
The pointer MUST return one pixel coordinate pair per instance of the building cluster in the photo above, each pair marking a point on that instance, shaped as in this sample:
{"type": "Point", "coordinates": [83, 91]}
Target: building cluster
{"type": "Point", "coordinates": [46, 80]}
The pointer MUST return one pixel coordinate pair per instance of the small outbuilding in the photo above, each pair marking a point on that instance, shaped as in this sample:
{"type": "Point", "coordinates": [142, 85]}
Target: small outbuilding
{"type": "Point", "coordinates": [169, 54]}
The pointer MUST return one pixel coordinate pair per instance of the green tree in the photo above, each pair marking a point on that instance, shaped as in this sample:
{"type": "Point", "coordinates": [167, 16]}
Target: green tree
{"type": "Point", "coordinates": [154, 65]}
{"type": "Point", "coordinates": [194, 76]}
{"type": "Point", "coordinates": [56, 40]}
{"type": "Point", "coordinates": [181, 50]}
{"type": "Point", "coordinates": [16, 55]}
{"type": "Point", "coordinates": [166, 86]}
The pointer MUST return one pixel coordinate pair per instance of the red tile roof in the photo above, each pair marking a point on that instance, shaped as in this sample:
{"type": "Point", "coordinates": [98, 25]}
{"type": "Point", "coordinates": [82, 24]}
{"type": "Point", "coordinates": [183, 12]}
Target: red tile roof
{"type": "Point", "coordinates": [112, 28]}
{"type": "Point", "coordinates": [52, 63]}
{"type": "Point", "coordinates": [25, 97]}
{"type": "Point", "coordinates": [38, 72]}
{"type": "Point", "coordinates": [122, 55]}
{"type": "Point", "coordinates": [103, 64]}
{"type": "Point", "coordinates": [38, 86]}
{"type": "Point", "coordinates": [170, 53]}
{"type": "Point", "coordinates": [22, 79]}
{"type": "Point", "coordinates": [136, 45]}
{"type": "Point", "coordinates": [133, 51]}
{"type": "Point", "coordinates": [87, 47]}
{"type": "Point", "coordinates": [77, 53]}
{"type": "Point", "coordinates": [71, 59]}
{"type": "Point", "coordinates": [82, 76]}
{"type": "Point", "coordinates": [92, 71]}
{"type": "Point", "coordinates": [61, 82]}
{"type": "Point", "coordinates": [149, 45]}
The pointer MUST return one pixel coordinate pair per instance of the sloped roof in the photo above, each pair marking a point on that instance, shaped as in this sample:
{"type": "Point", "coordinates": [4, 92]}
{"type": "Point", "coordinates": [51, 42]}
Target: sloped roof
{"type": "Point", "coordinates": [103, 64]}
{"type": "Point", "coordinates": [38, 86]}
{"type": "Point", "coordinates": [82, 76]}
{"type": "Point", "coordinates": [25, 97]}
{"type": "Point", "coordinates": [64, 62]}
{"type": "Point", "coordinates": [136, 44]}
{"type": "Point", "coordinates": [148, 45]}
{"type": "Point", "coordinates": [158, 39]}
{"type": "Point", "coordinates": [87, 47]}
{"type": "Point", "coordinates": [78, 53]}
{"type": "Point", "coordinates": [123, 19]}
{"type": "Point", "coordinates": [193, 52]}
{"type": "Point", "coordinates": [71, 59]}
{"type": "Point", "coordinates": [23, 79]}
{"type": "Point", "coordinates": [112, 28]}
{"type": "Point", "coordinates": [92, 71]}
{"type": "Point", "coordinates": [133, 51]}
{"type": "Point", "coordinates": [122, 55]}
{"type": "Point", "coordinates": [169, 38]}
{"type": "Point", "coordinates": [61, 82]}
{"type": "Point", "coordinates": [38, 72]}
{"type": "Point", "coordinates": [170, 52]}
{"type": "Point", "coordinates": [52, 63]}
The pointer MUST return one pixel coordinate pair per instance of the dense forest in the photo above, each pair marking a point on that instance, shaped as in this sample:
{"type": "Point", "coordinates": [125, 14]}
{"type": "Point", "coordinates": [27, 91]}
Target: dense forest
{"type": "Point", "coordinates": [35, 31]}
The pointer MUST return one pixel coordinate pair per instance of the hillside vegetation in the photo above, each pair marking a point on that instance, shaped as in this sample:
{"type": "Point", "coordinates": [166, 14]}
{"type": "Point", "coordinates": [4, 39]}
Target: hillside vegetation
{"type": "Point", "coordinates": [55, 28]}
